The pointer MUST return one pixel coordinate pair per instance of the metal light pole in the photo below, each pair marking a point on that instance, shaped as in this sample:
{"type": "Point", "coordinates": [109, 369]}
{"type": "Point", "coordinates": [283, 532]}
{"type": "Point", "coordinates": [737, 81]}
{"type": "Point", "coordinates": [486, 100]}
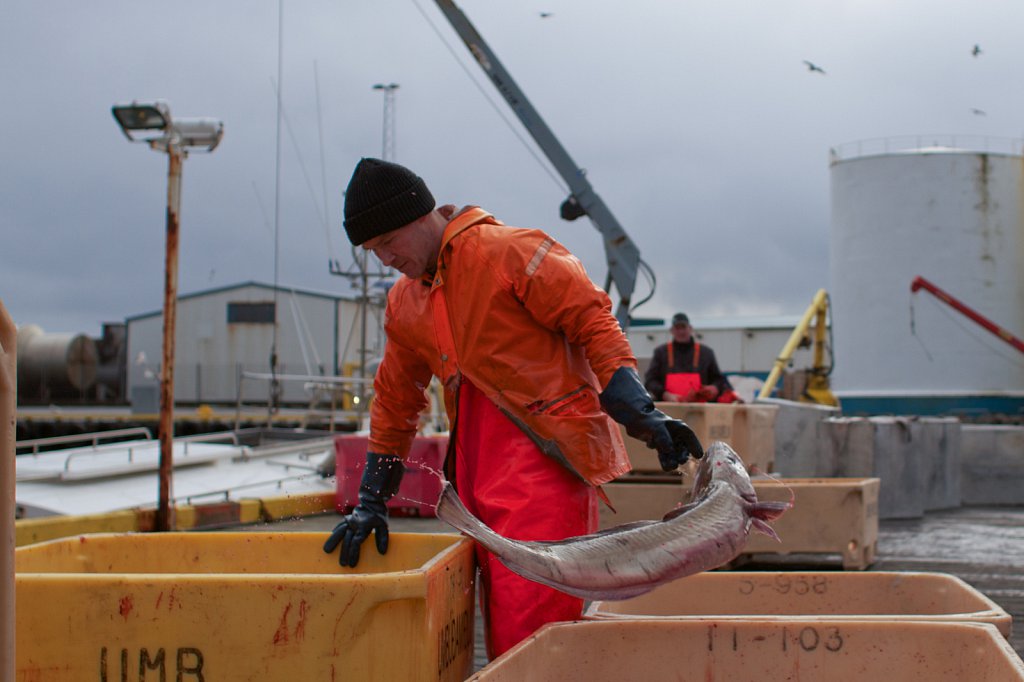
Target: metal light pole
{"type": "Point", "coordinates": [388, 131]}
{"type": "Point", "coordinates": [361, 279]}
{"type": "Point", "coordinates": [152, 123]}
{"type": "Point", "coordinates": [387, 153]}
{"type": "Point", "coordinates": [8, 407]}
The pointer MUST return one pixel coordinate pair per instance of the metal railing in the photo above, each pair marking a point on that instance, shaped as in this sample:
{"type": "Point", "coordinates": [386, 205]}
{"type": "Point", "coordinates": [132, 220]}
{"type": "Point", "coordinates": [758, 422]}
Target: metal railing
{"type": "Point", "coordinates": [226, 493]}
{"type": "Point", "coordinates": [229, 436]}
{"type": "Point", "coordinates": [878, 146]}
{"type": "Point", "coordinates": [93, 438]}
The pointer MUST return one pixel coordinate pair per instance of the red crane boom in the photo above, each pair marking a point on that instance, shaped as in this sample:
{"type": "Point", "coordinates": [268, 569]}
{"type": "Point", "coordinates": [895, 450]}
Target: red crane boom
{"type": "Point", "coordinates": [922, 283]}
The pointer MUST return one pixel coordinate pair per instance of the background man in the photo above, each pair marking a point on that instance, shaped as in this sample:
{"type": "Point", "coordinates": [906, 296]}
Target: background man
{"type": "Point", "coordinates": [684, 370]}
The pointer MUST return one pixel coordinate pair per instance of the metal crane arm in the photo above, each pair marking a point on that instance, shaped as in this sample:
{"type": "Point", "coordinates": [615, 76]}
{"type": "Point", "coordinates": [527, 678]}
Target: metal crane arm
{"type": "Point", "coordinates": [621, 253]}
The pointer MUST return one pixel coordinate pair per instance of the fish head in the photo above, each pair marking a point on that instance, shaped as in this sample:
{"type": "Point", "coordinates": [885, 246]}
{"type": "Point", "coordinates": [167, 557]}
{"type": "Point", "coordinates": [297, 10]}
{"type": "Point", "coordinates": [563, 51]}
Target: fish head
{"type": "Point", "coordinates": [721, 463]}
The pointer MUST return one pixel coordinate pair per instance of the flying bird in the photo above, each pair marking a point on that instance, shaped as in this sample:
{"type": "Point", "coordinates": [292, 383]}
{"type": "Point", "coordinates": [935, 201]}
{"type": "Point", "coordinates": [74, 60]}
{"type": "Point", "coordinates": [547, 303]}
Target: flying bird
{"type": "Point", "coordinates": [545, 15]}
{"type": "Point", "coordinates": [978, 112]}
{"type": "Point", "coordinates": [976, 51]}
{"type": "Point", "coordinates": [814, 67]}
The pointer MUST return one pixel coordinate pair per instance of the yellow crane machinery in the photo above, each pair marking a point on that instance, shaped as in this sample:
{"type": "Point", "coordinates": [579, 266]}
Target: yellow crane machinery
{"type": "Point", "coordinates": [817, 389]}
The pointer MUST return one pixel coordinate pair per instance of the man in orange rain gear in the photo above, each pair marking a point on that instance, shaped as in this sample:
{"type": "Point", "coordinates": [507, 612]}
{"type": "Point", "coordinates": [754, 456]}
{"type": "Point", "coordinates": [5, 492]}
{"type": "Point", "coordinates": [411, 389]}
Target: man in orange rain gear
{"type": "Point", "coordinates": [685, 371]}
{"type": "Point", "coordinates": [532, 362]}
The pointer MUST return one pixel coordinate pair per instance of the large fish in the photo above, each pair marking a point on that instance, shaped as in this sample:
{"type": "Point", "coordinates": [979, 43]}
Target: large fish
{"type": "Point", "coordinates": [634, 558]}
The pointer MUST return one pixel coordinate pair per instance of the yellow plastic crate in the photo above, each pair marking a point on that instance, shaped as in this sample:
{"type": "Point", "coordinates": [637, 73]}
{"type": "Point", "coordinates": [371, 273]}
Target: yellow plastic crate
{"type": "Point", "coordinates": [243, 606]}
{"type": "Point", "coordinates": [799, 595]}
{"type": "Point", "coordinates": [743, 651]}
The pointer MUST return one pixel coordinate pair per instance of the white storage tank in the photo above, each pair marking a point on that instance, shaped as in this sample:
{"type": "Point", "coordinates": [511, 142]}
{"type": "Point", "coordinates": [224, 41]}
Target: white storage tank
{"type": "Point", "coordinates": [954, 214]}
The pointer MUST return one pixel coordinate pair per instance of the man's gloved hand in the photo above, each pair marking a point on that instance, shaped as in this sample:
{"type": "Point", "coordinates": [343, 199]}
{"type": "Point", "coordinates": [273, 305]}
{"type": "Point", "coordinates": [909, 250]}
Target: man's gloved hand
{"type": "Point", "coordinates": [626, 401]}
{"type": "Point", "coordinates": [730, 397]}
{"type": "Point", "coordinates": [381, 478]}
{"type": "Point", "coordinates": [708, 393]}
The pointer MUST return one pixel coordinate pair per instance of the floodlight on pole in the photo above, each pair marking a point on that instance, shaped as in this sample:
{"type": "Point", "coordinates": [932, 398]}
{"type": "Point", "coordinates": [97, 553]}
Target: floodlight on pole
{"type": "Point", "coordinates": [152, 123]}
{"type": "Point", "coordinates": [142, 117]}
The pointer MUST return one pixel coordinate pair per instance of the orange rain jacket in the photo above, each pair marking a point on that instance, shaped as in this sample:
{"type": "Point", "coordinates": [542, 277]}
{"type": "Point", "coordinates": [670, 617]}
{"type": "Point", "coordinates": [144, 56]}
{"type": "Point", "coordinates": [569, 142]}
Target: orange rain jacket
{"type": "Point", "coordinates": [516, 314]}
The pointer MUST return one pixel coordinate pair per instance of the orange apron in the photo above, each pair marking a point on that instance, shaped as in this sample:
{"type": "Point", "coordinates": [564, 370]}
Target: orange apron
{"type": "Point", "coordinates": [521, 493]}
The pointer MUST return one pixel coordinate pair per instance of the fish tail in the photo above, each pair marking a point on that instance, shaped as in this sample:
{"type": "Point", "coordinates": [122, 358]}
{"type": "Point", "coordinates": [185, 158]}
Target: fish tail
{"type": "Point", "coordinates": [452, 511]}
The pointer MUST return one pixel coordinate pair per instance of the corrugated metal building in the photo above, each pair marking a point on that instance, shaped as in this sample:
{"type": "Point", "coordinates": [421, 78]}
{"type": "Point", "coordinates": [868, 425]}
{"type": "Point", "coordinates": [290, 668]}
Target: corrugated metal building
{"type": "Point", "coordinates": [224, 331]}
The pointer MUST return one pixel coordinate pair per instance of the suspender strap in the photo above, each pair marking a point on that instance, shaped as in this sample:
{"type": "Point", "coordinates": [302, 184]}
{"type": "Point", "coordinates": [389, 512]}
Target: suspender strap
{"type": "Point", "coordinates": [696, 356]}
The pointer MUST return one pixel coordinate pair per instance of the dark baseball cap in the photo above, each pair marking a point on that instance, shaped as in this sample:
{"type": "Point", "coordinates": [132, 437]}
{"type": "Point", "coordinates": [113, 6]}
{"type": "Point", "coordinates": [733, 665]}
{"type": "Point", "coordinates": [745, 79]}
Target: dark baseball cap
{"type": "Point", "coordinates": [680, 319]}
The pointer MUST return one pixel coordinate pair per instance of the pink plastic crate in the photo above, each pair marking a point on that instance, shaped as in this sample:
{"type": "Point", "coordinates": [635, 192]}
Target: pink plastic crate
{"type": "Point", "coordinates": [420, 486]}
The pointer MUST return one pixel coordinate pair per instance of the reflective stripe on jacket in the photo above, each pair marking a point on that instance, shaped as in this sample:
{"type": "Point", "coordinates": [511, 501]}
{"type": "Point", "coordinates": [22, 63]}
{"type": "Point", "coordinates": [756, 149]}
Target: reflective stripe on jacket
{"type": "Point", "coordinates": [525, 324]}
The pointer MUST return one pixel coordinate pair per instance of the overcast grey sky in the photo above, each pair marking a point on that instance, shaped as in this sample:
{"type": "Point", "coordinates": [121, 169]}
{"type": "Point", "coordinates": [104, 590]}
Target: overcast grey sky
{"type": "Point", "coordinates": [697, 122]}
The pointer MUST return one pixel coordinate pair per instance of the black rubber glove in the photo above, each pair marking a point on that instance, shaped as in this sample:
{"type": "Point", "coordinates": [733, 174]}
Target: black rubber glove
{"type": "Point", "coordinates": [627, 401]}
{"type": "Point", "coordinates": [381, 478]}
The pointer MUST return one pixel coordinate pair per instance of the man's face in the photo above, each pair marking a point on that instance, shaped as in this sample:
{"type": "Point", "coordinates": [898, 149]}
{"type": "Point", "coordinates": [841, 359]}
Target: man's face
{"type": "Point", "coordinates": [681, 333]}
{"type": "Point", "coordinates": [411, 249]}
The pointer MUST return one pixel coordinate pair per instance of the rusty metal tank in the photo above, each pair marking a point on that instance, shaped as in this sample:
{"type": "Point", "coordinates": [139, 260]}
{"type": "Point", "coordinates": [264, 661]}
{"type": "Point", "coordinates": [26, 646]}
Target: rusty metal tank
{"type": "Point", "coordinates": [55, 364]}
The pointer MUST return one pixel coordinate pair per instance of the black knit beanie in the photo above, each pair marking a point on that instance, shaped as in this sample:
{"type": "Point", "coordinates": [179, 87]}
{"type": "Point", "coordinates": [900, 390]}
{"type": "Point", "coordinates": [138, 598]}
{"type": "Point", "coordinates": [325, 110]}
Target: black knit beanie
{"type": "Point", "coordinates": [381, 197]}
